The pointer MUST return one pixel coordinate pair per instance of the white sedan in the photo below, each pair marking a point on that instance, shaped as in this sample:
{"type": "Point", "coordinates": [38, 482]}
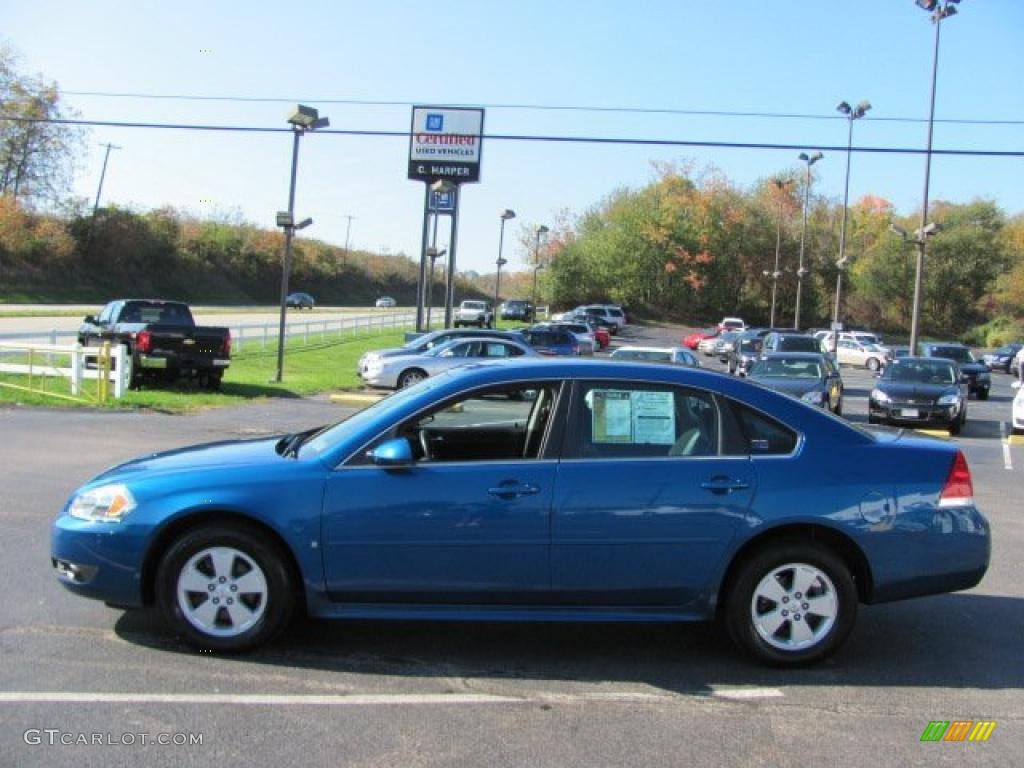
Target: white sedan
{"type": "Point", "coordinates": [870, 356]}
{"type": "Point", "coordinates": [405, 370]}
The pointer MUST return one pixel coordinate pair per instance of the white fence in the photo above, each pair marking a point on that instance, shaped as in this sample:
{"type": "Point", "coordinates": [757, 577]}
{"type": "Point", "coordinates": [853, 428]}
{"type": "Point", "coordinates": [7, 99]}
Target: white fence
{"type": "Point", "coordinates": [109, 365]}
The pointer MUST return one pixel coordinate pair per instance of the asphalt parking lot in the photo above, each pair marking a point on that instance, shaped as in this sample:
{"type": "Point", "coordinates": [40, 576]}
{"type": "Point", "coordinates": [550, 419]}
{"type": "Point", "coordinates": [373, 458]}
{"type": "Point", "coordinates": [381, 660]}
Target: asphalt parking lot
{"type": "Point", "coordinates": [402, 694]}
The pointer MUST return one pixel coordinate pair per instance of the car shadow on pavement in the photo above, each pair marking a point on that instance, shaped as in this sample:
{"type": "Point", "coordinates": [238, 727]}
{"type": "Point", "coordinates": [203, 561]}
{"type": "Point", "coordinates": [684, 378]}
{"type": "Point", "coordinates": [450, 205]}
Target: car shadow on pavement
{"type": "Point", "coordinates": [947, 641]}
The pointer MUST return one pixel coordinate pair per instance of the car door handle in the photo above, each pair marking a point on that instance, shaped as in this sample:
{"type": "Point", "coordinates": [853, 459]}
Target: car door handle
{"type": "Point", "coordinates": [512, 489]}
{"type": "Point", "coordinates": [722, 485]}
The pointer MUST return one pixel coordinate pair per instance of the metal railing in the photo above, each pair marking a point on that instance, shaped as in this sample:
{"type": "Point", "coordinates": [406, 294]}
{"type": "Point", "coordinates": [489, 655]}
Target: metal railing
{"type": "Point", "coordinates": [109, 366]}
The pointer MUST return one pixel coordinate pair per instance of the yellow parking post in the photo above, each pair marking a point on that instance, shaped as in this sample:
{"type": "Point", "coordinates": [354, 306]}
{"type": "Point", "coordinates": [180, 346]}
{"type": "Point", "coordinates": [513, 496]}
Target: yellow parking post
{"type": "Point", "coordinates": [104, 371]}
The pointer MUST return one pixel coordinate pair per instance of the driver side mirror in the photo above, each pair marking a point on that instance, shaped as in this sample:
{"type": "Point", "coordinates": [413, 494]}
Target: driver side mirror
{"type": "Point", "coordinates": [392, 453]}
{"type": "Point", "coordinates": [90, 319]}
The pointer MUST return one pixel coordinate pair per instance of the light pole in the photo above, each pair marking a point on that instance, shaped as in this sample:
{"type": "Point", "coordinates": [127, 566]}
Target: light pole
{"type": "Point", "coordinates": [939, 10]}
{"type": "Point", "coordinates": [780, 184]}
{"type": "Point", "coordinates": [851, 113]}
{"type": "Point", "coordinates": [103, 174]}
{"type": "Point", "coordinates": [302, 119]}
{"type": "Point", "coordinates": [537, 266]}
{"type": "Point", "coordinates": [507, 214]}
{"type": "Point", "coordinates": [801, 271]}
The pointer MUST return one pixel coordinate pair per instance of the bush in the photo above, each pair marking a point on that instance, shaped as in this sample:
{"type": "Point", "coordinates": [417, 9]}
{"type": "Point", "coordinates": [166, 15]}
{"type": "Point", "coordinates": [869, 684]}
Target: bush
{"type": "Point", "coordinates": [995, 333]}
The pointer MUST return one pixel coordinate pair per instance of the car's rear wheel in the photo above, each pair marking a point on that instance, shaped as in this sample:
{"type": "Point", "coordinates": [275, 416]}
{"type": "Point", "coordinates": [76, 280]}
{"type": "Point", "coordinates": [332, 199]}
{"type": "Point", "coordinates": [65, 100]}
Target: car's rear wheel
{"type": "Point", "coordinates": [790, 605]}
{"type": "Point", "coordinates": [225, 588]}
{"type": "Point", "coordinates": [983, 394]}
{"type": "Point", "coordinates": [410, 377]}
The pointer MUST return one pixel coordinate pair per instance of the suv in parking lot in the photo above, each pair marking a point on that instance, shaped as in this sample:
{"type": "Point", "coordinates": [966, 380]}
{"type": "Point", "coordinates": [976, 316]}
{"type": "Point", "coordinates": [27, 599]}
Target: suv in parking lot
{"type": "Point", "coordinates": [777, 341]}
{"type": "Point", "coordinates": [478, 313]}
{"type": "Point", "coordinates": [517, 309]}
{"type": "Point", "coordinates": [979, 380]}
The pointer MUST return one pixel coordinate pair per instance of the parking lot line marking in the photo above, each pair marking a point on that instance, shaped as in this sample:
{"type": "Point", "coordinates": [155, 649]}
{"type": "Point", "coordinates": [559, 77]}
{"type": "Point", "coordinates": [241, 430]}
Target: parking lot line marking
{"type": "Point", "coordinates": [1007, 459]}
{"type": "Point", "coordinates": [934, 432]}
{"type": "Point", "coordinates": [745, 694]}
{"type": "Point", "coordinates": [371, 699]}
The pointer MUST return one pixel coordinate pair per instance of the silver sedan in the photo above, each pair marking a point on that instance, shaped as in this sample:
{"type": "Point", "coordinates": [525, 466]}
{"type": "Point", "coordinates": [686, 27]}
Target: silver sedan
{"type": "Point", "coordinates": [405, 370]}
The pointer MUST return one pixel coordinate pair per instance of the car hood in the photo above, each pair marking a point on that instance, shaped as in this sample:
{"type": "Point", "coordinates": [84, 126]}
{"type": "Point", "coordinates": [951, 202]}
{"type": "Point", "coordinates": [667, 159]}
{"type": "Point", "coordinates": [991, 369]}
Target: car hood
{"type": "Point", "coordinates": [973, 367]}
{"type": "Point", "coordinates": [906, 389]}
{"type": "Point", "coordinates": [790, 386]}
{"type": "Point", "coordinates": [232, 453]}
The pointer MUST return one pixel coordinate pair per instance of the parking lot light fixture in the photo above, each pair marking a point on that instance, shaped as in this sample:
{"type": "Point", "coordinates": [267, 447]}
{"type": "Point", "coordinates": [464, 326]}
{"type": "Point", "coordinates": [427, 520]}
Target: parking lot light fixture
{"type": "Point", "coordinates": [801, 271]}
{"type": "Point", "coordinates": [939, 10]}
{"type": "Point", "coordinates": [506, 215]}
{"type": "Point", "coordinates": [302, 119]}
{"type": "Point", "coordinates": [851, 114]}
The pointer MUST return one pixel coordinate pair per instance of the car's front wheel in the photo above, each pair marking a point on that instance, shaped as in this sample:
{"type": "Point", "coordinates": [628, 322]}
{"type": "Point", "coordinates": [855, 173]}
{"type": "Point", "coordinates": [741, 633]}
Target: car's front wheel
{"type": "Point", "coordinates": [225, 588]}
{"type": "Point", "coordinates": [791, 604]}
{"type": "Point", "coordinates": [410, 377]}
{"type": "Point", "coordinates": [873, 364]}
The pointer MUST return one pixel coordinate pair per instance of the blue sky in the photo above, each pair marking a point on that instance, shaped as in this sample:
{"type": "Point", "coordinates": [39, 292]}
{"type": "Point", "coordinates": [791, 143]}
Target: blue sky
{"type": "Point", "coordinates": [788, 56]}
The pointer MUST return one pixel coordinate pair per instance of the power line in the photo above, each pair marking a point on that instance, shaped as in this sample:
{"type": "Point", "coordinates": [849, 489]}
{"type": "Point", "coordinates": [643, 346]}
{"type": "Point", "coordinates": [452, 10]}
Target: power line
{"type": "Point", "coordinates": [802, 146]}
{"type": "Point", "coordinates": [536, 107]}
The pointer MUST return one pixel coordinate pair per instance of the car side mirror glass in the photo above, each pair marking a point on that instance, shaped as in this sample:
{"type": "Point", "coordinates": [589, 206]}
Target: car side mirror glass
{"type": "Point", "coordinates": [392, 453]}
{"type": "Point", "coordinates": [90, 319]}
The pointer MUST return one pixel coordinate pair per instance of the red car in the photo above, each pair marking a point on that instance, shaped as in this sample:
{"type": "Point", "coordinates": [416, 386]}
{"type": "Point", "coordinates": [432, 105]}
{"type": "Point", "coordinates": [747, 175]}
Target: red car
{"type": "Point", "coordinates": [697, 337]}
{"type": "Point", "coordinates": [602, 337]}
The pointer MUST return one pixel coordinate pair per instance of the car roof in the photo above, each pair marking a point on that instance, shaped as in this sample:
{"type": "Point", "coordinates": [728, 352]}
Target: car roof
{"type": "Point", "coordinates": [794, 355]}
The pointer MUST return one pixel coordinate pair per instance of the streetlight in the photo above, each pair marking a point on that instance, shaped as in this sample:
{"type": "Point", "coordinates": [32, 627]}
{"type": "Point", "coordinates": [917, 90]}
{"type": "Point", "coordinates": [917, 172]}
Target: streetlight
{"type": "Point", "coordinates": [537, 266]}
{"type": "Point", "coordinates": [507, 214]}
{"type": "Point", "coordinates": [851, 113]}
{"type": "Point", "coordinates": [302, 119]}
{"type": "Point", "coordinates": [780, 184]}
{"type": "Point", "coordinates": [434, 255]}
{"type": "Point", "coordinates": [939, 10]}
{"type": "Point", "coordinates": [800, 272]}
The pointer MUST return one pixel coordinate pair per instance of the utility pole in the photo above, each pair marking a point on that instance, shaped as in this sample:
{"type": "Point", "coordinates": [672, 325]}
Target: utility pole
{"type": "Point", "coordinates": [348, 231]}
{"type": "Point", "coordinates": [103, 173]}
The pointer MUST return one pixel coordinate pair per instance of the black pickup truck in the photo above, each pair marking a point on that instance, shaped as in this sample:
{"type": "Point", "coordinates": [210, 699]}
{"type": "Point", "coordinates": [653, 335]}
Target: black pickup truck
{"type": "Point", "coordinates": [163, 339]}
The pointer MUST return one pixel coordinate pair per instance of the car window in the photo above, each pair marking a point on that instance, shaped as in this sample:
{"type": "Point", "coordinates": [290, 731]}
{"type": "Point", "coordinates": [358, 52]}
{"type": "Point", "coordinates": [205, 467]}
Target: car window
{"type": "Point", "coordinates": [630, 420]}
{"type": "Point", "coordinates": [494, 424]}
{"type": "Point", "coordinates": [756, 434]}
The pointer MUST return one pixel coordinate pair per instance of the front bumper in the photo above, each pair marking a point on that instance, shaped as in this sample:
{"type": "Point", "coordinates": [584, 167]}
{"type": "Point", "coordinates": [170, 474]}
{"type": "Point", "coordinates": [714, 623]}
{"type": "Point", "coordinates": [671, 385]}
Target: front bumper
{"type": "Point", "coordinates": [915, 414]}
{"type": "Point", "coordinates": [102, 561]}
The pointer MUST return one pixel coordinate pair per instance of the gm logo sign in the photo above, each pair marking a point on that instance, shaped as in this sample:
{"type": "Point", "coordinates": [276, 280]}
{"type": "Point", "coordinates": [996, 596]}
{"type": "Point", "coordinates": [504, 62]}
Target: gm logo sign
{"type": "Point", "coordinates": [958, 730]}
{"type": "Point", "coordinates": [435, 122]}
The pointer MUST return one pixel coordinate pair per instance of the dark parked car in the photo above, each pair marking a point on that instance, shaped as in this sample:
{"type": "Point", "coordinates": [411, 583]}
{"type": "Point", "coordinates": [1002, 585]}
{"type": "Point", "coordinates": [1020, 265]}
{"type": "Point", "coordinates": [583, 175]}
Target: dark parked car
{"type": "Point", "coordinates": [744, 354]}
{"type": "Point", "coordinates": [1001, 359]}
{"type": "Point", "coordinates": [920, 392]}
{"type": "Point", "coordinates": [781, 341]}
{"type": "Point", "coordinates": [518, 309]}
{"type": "Point", "coordinates": [551, 341]}
{"type": "Point", "coordinates": [557, 490]}
{"type": "Point", "coordinates": [979, 380]}
{"type": "Point", "coordinates": [300, 301]}
{"type": "Point", "coordinates": [810, 376]}
{"type": "Point", "coordinates": [163, 340]}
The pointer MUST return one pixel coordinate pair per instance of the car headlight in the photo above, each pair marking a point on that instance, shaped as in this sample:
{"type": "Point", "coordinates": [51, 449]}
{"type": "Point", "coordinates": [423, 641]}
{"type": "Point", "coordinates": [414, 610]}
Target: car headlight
{"type": "Point", "coordinates": [880, 396]}
{"type": "Point", "coordinates": [950, 399]}
{"type": "Point", "coordinates": [108, 503]}
{"type": "Point", "coordinates": [814, 398]}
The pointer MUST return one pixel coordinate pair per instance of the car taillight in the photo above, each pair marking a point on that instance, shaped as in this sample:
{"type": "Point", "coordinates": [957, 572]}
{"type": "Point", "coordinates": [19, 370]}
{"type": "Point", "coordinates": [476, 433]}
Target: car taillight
{"type": "Point", "coordinates": [143, 341]}
{"type": "Point", "coordinates": [958, 490]}
{"type": "Point", "coordinates": [226, 349]}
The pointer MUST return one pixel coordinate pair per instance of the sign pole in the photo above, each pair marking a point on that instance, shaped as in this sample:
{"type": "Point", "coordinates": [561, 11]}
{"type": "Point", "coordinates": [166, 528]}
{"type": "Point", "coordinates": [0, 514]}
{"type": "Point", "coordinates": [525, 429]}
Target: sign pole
{"type": "Point", "coordinates": [421, 284]}
{"type": "Point", "coordinates": [449, 297]}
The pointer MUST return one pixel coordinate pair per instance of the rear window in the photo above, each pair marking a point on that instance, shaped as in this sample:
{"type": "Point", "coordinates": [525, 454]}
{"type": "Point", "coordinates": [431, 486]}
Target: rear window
{"type": "Point", "coordinates": [798, 344]}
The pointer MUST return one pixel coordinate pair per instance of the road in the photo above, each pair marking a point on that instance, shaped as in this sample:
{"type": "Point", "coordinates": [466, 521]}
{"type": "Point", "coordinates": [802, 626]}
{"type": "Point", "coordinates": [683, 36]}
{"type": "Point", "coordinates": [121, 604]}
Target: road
{"type": "Point", "coordinates": [42, 326]}
{"type": "Point", "coordinates": [402, 694]}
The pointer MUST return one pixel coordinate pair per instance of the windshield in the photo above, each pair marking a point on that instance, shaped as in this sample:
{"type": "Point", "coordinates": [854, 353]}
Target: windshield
{"type": "Point", "coordinates": [960, 354]}
{"type": "Point", "coordinates": [473, 305]}
{"type": "Point", "coordinates": [788, 367]}
{"type": "Point", "coordinates": [920, 372]}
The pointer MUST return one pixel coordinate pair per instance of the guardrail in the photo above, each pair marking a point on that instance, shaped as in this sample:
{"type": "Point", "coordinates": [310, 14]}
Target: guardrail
{"type": "Point", "coordinates": [109, 365]}
{"type": "Point", "coordinates": [262, 333]}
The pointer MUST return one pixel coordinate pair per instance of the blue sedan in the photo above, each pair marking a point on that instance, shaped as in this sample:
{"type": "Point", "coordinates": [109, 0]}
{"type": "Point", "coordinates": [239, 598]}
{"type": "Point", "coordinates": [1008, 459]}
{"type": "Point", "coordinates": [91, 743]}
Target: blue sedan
{"type": "Point", "coordinates": [541, 490]}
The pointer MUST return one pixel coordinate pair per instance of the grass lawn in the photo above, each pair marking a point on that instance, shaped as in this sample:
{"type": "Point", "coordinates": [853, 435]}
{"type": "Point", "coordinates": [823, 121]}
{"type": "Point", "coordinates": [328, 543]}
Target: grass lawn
{"type": "Point", "coordinates": [326, 366]}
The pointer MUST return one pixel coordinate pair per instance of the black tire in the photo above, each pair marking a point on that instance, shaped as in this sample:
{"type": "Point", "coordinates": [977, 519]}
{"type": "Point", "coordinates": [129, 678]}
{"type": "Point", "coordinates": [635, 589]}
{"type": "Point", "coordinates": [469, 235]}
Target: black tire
{"type": "Point", "coordinates": [410, 377]}
{"type": "Point", "coordinates": [839, 407]}
{"type": "Point", "coordinates": [739, 607]}
{"type": "Point", "coordinates": [213, 380]}
{"type": "Point", "coordinates": [272, 611]}
{"type": "Point", "coordinates": [873, 364]}
{"type": "Point", "coordinates": [873, 419]}
{"type": "Point", "coordinates": [983, 394]}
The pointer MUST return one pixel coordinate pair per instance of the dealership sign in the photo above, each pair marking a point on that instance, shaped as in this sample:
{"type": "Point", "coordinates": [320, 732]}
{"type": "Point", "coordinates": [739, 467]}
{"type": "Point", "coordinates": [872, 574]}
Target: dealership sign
{"type": "Point", "coordinates": [445, 143]}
